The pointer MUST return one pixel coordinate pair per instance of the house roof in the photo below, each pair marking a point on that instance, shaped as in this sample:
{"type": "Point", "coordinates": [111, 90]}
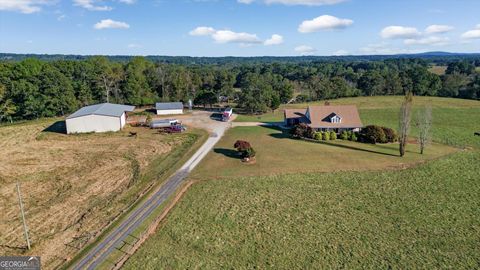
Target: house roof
{"type": "Point", "coordinates": [107, 109]}
{"type": "Point", "coordinates": [295, 113]}
{"type": "Point", "coordinates": [320, 116]}
{"type": "Point", "coordinates": [169, 105]}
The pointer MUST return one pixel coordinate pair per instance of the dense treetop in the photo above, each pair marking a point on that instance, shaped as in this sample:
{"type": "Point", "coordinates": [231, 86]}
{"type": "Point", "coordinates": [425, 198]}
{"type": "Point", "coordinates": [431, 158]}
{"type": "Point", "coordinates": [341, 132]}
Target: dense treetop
{"type": "Point", "coordinates": [33, 88]}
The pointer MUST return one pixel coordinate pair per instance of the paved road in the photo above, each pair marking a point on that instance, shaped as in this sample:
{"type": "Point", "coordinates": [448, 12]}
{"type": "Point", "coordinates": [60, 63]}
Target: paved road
{"type": "Point", "coordinates": [103, 249]}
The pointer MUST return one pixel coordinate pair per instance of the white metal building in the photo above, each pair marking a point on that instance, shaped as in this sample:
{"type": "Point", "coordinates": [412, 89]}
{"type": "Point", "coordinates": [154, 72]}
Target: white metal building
{"type": "Point", "coordinates": [167, 108]}
{"type": "Point", "coordinates": [98, 118]}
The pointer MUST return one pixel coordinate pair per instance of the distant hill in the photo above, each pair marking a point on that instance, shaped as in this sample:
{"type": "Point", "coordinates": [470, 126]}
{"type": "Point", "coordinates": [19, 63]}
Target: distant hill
{"type": "Point", "coordinates": [434, 57]}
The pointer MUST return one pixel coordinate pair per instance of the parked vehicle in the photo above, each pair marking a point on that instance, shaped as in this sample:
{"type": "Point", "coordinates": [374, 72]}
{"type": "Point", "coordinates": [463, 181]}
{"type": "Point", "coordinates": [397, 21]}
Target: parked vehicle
{"type": "Point", "coordinates": [174, 129]}
{"type": "Point", "coordinates": [164, 123]}
{"type": "Point", "coordinates": [226, 114]}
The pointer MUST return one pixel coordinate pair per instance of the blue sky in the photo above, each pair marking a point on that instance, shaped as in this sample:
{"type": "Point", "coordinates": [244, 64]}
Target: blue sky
{"type": "Point", "coordinates": [238, 27]}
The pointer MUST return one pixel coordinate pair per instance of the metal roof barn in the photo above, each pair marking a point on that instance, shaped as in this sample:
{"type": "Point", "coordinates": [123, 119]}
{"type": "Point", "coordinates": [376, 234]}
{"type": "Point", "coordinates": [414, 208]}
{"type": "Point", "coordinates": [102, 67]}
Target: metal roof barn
{"type": "Point", "coordinates": [103, 117]}
{"type": "Point", "coordinates": [166, 108]}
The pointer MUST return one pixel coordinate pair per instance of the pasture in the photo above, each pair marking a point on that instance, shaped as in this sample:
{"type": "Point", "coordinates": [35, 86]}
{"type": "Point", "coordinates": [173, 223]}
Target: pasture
{"type": "Point", "coordinates": [74, 186]}
{"type": "Point", "coordinates": [336, 205]}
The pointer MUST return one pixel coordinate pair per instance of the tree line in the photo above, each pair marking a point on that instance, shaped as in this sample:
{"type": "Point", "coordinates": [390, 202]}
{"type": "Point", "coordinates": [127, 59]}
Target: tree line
{"type": "Point", "coordinates": [34, 88]}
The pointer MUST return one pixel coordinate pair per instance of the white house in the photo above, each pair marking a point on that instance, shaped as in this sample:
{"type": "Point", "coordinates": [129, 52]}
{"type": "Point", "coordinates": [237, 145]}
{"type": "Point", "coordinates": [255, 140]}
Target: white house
{"type": "Point", "coordinates": [98, 118]}
{"type": "Point", "coordinates": [167, 108]}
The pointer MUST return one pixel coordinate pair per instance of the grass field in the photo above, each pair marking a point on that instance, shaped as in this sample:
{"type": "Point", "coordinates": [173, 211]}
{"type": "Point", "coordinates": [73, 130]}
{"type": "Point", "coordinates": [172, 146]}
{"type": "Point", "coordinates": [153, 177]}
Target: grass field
{"type": "Point", "coordinates": [279, 154]}
{"type": "Point", "coordinates": [439, 70]}
{"type": "Point", "coordinates": [74, 186]}
{"type": "Point", "coordinates": [426, 217]}
{"type": "Point", "coordinates": [454, 120]}
{"type": "Point", "coordinates": [268, 215]}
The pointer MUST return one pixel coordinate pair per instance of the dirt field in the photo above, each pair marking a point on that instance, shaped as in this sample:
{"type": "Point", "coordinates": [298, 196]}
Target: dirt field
{"type": "Point", "coordinates": [73, 186]}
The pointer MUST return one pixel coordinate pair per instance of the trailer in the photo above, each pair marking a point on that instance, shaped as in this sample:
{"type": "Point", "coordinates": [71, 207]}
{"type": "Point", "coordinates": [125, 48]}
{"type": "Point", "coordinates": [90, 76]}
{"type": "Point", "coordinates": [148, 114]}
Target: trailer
{"type": "Point", "coordinates": [164, 123]}
{"type": "Point", "coordinates": [226, 114]}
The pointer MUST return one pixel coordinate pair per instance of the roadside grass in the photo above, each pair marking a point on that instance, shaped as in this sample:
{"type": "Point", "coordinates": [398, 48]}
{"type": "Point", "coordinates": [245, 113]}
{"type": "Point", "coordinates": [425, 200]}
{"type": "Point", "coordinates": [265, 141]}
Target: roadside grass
{"type": "Point", "coordinates": [161, 169]}
{"type": "Point", "coordinates": [277, 153]}
{"type": "Point", "coordinates": [422, 217]}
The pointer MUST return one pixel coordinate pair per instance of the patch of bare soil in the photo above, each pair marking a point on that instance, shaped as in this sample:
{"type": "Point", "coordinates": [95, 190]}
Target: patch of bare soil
{"type": "Point", "coordinates": [72, 185]}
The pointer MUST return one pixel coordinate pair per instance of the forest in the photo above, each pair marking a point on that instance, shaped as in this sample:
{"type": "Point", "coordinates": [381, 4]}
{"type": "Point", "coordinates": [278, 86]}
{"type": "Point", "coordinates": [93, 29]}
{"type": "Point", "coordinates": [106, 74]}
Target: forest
{"type": "Point", "coordinates": [35, 87]}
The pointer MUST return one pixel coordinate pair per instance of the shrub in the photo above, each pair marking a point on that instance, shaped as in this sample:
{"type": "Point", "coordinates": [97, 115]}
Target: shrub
{"type": "Point", "coordinates": [344, 135]}
{"type": "Point", "coordinates": [333, 135]}
{"type": "Point", "coordinates": [242, 145]}
{"type": "Point", "coordinates": [318, 136]}
{"type": "Point", "coordinates": [373, 134]}
{"type": "Point", "coordinates": [309, 133]}
{"type": "Point", "coordinates": [245, 149]}
{"type": "Point", "coordinates": [353, 138]}
{"type": "Point", "coordinates": [302, 130]}
{"type": "Point", "coordinates": [390, 134]}
{"type": "Point", "coordinates": [326, 136]}
{"type": "Point", "coordinates": [249, 153]}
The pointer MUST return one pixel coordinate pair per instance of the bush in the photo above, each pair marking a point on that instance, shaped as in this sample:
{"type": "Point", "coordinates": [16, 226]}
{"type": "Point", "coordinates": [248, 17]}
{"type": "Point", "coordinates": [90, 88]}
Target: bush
{"type": "Point", "coordinates": [302, 130]}
{"type": "Point", "coordinates": [309, 133]}
{"type": "Point", "coordinates": [326, 136]}
{"type": "Point", "coordinates": [390, 134]}
{"type": "Point", "coordinates": [373, 134]}
{"type": "Point", "coordinates": [249, 153]}
{"type": "Point", "coordinates": [344, 135]}
{"type": "Point", "coordinates": [353, 138]}
{"type": "Point", "coordinates": [245, 149]}
{"type": "Point", "coordinates": [333, 135]}
{"type": "Point", "coordinates": [242, 145]}
{"type": "Point", "coordinates": [318, 136]}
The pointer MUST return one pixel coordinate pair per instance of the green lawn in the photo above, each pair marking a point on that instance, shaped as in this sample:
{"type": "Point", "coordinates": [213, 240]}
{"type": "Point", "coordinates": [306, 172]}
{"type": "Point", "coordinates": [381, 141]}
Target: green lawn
{"type": "Point", "coordinates": [338, 205]}
{"type": "Point", "coordinates": [277, 153]}
{"type": "Point", "coordinates": [426, 217]}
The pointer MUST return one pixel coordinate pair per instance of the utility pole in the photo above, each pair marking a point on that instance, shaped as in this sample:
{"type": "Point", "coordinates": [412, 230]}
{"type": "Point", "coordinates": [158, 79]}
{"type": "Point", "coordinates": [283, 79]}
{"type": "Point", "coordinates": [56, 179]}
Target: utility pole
{"type": "Point", "coordinates": [23, 215]}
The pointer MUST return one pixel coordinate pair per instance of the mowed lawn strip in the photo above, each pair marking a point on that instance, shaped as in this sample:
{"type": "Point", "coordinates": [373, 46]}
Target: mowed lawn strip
{"type": "Point", "coordinates": [277, 153]}
{"type": "Point", "coordinates": [424, 217]}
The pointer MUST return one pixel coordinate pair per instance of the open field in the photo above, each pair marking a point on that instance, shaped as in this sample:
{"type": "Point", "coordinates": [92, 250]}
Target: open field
{"type": "Point", "coordinates": [439, 70]}
{"type": "Point", "coordinates": [277, 153]}
{"type": "Point", "coordinates": [74, 186]}
{"type": "Point", "coordinates": [424, 217]}
{"type": "Point", "coordinates": [454, 120]}
{"type": "Point", "coordinates": [368, 103]}
{"type": "Point", "coordinates": [272, 215]}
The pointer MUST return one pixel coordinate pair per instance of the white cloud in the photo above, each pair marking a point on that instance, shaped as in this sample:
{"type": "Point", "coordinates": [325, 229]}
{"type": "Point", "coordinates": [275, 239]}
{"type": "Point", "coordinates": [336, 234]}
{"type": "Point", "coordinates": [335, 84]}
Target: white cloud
{"type": "Point", "coordinates": [472, 34]}
{"type": "Point", "coordinates": [382, 49]}
{"type": "Point", "coordinates": [295, 2]}
{"type": "Point", "coordinates": [305, 50]}
{"type": "Point", "coordinates": [399, 32]}
{"type": "Point", "coordinates": [438, 29]}
{"type": "Point", "coordinates": [90, 5]}
{"type": "Point", "coordinates": [227, 36]}
{"type": "Point", "coordinates": [340, 53]}
{"type": "Point", "coordinates": [108, 23]}
{"type": "Point", "coordinates": [61, 17]}
{"type": "Point", "coordinates": [23, 6]}
{"type": "Point", "coordinates": [274, 40]}
{"type": "Point", "coordinates": [134, 45]}
{"type": "Point", "coordinates": [324, 22]}
{"type": "Point", "coordinates": [128, 2]}
{"type": "Point", "coordinates": [432, 40]}
{"type": "Point", "coordinates": [202, 31]}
